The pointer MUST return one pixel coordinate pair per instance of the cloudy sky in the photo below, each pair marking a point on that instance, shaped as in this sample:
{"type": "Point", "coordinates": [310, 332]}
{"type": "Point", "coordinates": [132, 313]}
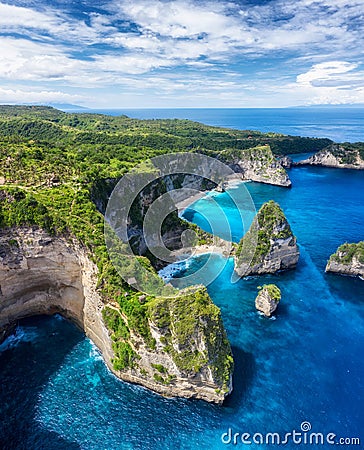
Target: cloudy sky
{"type": "Point", "coordinates": [182, 53]}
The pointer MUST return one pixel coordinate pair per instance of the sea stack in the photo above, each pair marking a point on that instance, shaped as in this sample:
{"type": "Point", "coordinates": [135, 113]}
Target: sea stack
{"type": "Point", "coordinates": [268, 298]}
{"type": "Point", "coordinates": [269, 245]}
{"type": "Point", "coordinates": [348, 260]}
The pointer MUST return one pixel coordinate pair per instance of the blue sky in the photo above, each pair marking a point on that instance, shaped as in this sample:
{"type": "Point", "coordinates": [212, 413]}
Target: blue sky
{"type": "Point", "coordinates": [182, 53]}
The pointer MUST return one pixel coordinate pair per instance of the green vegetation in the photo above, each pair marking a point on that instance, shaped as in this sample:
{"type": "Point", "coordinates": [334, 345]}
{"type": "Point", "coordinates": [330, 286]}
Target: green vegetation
{"type": "Point", "coordinates": [125, 356]}
{"type": "Point", "coordinates": [347, 152]}
{"type": "Point", "coordinates": [270, 224]}
{"type": "Point", "coordinates": [347, 252]}
{"type": "Point", "coordinates": [160, 368]}
{"type": "Point", "coordinates": [193, 333]}
{"type": "Point", "coordinates": [273, 291]}
{"type": "Point", "coordinates": [163, 380]}
{"type": "Point", "coordinates": [119, 142]}
{"type": "Point", "coordinates": [261, 153]}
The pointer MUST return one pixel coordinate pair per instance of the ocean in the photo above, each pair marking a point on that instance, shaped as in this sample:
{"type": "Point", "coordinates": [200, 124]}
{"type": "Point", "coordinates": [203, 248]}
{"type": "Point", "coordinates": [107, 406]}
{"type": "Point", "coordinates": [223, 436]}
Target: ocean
{"type": "Point", "coordinates": [302, 369]}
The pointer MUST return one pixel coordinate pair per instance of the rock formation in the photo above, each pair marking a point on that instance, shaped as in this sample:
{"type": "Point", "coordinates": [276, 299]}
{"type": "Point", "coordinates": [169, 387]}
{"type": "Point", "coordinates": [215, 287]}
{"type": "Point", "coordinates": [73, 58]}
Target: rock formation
{"type": "Point", "coordinates": [190, 355]}
{"type": "Point", "coordinates": [344, 156]}
{"type": "Point", "coordinates": [285, 161]}
{"type": "Point", "coordinates": [269, 245]}
{"type": "Point", "coordinates": [268, 298]}
{"type": "Point", "coordinates": [348, 260]}
{"type": "Point", "coordinates": [260, 165]}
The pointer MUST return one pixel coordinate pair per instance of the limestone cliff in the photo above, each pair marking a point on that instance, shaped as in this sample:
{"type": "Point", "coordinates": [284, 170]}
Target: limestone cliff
{"type": "Point", "coordinates": [189, 354]}
{"type": "Point", "coordinates": [348, 260]}
{"type": "Point", "coordinates": [43, 274]}
{"type": "Point", "coordinates": [344, 156]}
{"type": "Point", "coordinates": [285, 161]}
{"type": "Point", "coordinates": [258, 164]}
{"type": "Point", "coordinates": [269, 245]}
{"type": "Point", "coordinates": [268, 298]}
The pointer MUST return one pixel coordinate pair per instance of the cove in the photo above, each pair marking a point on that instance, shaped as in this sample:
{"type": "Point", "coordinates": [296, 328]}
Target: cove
{"type": "Point", "coordinates": [306, 365]}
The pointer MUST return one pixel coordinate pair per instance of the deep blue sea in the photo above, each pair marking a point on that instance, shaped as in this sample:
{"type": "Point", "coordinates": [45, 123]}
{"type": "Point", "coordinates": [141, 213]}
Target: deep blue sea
{"type": "Point", "coordinates": [306, 365]}
{"type": "Point", "coordinates": [337, 123]}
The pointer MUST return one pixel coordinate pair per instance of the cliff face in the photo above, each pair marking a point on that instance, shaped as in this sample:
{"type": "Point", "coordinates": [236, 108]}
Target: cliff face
{"type": "Point", "coordinates": [269, 245]}
{"type": "Point", "coordinates": [285, 161]}
{"type": "Point", "coordinates": [337, 155]}
{"type": "Point", "coordinates": [260, 165]}
{"type": "Point", "coordinates": [268, 298]}
{"type": "Point", "coordinates": [42, 274]}
{"type": "Point", "coordinates": [348, 260]}
{"type": "Point", "coordinates": [190, 355]}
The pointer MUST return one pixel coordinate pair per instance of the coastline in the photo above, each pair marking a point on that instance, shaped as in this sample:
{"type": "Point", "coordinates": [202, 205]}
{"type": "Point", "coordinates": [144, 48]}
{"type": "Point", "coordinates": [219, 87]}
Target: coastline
{"type": "Point", "coordinates": [184, 204]}
{"type": "Point", "coordinates": [232, 183]}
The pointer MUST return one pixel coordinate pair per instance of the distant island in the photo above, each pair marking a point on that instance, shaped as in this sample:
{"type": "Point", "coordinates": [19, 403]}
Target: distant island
{"type": "Point", "coordinates": [57, 173]}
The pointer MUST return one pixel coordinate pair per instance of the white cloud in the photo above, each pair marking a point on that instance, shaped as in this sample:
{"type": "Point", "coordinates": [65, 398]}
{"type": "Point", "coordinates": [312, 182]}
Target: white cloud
{"type": "Point", "coordinates": [25, 60]}
{"type": "Point", "coordinates": [327, 73]}
{"type": "Point", "coordinates": [178, 19]}
{"type": "Point", "coordinates": [135, 64]}
{"type": "Point", "coordinates": [22, 96]}
{"type": "Point", "coordinates": [34, 24]}
{"type": "Point", "coordinates": [173, 44]}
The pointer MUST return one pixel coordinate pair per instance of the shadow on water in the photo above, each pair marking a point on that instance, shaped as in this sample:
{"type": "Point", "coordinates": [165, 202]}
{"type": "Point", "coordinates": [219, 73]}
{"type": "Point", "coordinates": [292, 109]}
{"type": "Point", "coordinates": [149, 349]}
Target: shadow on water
{"type": "Point", "coordinates": [21, 387]}
{"type": "Point", "coordinates": [244, 372]}
{"type": "Point", "coordinates": [282, 310]}
{"type": "Point", "coordinates": [346, 288]}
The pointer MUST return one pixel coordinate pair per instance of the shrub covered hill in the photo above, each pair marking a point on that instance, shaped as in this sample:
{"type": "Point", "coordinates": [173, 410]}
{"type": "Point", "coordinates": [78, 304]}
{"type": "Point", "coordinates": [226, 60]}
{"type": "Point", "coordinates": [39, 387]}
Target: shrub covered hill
{"type": "Point", "coordinates": [56, 172]}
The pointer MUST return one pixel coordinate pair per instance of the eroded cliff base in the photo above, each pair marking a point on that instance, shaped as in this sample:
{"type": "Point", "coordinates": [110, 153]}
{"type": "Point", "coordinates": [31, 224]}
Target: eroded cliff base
{"type": "Point", "coordinates": [43, 274]}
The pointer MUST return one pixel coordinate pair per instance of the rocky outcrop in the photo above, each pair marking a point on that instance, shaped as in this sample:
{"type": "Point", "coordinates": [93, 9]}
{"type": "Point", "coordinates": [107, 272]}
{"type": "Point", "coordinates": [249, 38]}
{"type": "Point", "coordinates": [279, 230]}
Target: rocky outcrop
{"type": "Point", "coordinates": [43, 274]}
{"type": "Point", "coordinates": [191, 355]}
{"type": "Point", "coordinates": [348, 260]}
{"type": "Point", "coordinates": [269, 245]}
{"type": "Point", "coordinates": [260, 165]}
{"type": "Point", "coordinates": [344, 156]}
{"type": "Point", "coordinates": [285, 161]}
{"type": "Point", "coordinates": [268, 298]}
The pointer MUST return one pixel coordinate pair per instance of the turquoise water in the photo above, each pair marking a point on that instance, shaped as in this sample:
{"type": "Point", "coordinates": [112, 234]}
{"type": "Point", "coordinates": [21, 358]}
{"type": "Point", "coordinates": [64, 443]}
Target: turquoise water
{"type": "Point", "coordinates": [227, 215]}
{"type": "Point", "coordinates": [306, 365]}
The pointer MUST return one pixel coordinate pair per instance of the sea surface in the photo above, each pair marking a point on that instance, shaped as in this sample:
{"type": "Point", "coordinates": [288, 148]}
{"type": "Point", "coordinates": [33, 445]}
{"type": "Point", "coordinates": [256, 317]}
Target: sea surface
{"type": "Point", "coordinates": [304, 366]}
{"type": "Point", "coordinates": [337, 123]}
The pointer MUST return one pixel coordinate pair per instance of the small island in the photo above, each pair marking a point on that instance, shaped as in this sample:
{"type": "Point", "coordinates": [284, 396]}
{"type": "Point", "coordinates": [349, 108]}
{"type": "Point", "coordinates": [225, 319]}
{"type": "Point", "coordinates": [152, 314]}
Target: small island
{"type": "Point", "coordinates": [268, 298]}
{"type": "Point", "coordinates": [348, 260]}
